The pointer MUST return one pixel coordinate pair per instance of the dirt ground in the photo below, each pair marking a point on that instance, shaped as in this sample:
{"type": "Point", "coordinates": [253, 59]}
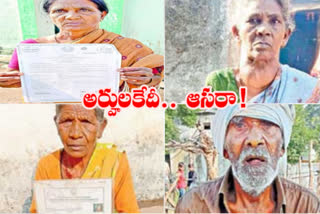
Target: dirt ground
{"type": "Point", "coordinates": [154, 209]}
{"type": "Point", "coordinates": [9, 95]}
{"type": "Point", "coordinates": [154, 206]}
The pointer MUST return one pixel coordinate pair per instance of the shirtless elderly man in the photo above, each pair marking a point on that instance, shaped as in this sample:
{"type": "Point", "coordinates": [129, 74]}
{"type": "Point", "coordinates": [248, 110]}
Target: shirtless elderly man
{"type": "Point", "coordinates": [253, 140]}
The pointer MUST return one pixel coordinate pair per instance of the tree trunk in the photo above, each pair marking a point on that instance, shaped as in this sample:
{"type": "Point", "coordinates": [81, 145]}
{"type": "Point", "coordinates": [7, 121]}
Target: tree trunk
{"type": "Point", "coordinates": [310, 166]}
{"type": "Point", "coordinates": [209, 153]}
{"type": "Point", "coordinates": [300, 170]}
{"type": "Point", "coordinates": [199, 144]}
{"type": "Point", "coordinates": [318, 181]}
{"type": "Point", "coordinates": [210, 160]}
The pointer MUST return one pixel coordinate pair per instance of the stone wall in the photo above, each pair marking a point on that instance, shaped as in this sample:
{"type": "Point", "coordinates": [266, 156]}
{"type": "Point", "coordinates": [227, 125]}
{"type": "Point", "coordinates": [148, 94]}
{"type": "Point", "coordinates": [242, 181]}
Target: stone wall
{"type": "Point", "coordinates": [196, 44]}
{"type": "Point", "coordinates": [28, 133]}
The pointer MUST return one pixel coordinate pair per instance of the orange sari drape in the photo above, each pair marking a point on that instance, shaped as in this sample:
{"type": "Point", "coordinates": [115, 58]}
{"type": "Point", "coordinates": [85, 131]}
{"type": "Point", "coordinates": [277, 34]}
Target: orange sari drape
{"type": "Point", "coordinates": [106, 162]}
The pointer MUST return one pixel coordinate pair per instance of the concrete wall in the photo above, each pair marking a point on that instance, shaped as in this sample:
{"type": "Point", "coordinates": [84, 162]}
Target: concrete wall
{"type": "Point", "coordinates": [12, 30]}
{"type": "Point", "coordinates": [10, 33]}
{"type": "Point", "coordinates": [45, 26]}
{"type": "Point", "coordinates": [28, 133]}
{"type": "Point", "coordinates": [144, 20]}
{"type": "Point", "coordinates": [196, 44]}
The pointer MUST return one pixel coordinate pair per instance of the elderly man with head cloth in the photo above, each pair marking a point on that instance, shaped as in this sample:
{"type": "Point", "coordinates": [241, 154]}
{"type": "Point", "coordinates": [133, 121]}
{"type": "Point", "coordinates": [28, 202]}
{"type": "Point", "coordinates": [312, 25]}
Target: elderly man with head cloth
{"type": "Point", "coordinates": [253, 140]}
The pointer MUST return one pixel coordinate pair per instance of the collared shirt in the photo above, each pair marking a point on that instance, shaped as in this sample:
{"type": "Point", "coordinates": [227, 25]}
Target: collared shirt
{"type": "Point", "coordinates": [212, 197]}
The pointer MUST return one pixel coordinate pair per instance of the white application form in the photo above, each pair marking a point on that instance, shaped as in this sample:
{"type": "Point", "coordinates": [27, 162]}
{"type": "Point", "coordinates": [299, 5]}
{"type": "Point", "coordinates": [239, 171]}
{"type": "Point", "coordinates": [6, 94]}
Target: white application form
{"type": "Point", "coordinates": [87, 196]}
{"type": "Point", "coordinates": [65, 72]}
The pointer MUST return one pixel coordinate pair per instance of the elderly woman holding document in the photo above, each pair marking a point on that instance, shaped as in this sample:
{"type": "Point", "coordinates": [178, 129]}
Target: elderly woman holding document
{"type": "Point", "coordinates": [78, 22]}
{"type": "Point", "coordinates": [82, 157]}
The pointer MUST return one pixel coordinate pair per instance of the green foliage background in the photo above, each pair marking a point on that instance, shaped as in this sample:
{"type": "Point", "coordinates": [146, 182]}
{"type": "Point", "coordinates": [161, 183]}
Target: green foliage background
{"type": "Point", "coordinates": [181, 115]}
{"type": "Point", "coordinates": [305, 129]}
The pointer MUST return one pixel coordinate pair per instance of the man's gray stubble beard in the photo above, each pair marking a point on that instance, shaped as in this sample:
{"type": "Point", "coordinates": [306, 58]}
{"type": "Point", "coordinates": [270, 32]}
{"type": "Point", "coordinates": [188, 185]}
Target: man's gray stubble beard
{"type": "Point", "coordinates": [254, 180]}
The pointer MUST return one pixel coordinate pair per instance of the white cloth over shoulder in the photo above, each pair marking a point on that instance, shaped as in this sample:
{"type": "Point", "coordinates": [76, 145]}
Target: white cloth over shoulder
{"type": "Point", "coordinates": [293, 86]}
{"type": "Point", "coordinates": [281, 114]}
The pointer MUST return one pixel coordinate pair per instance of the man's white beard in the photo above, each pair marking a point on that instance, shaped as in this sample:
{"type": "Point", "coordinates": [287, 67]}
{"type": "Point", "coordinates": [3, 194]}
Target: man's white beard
{"type": "Point", "coordinates": [254, 180]}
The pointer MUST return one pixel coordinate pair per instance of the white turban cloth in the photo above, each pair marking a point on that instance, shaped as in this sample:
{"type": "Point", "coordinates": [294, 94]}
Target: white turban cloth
{"type": "Point", "coordinates": [280, 114]}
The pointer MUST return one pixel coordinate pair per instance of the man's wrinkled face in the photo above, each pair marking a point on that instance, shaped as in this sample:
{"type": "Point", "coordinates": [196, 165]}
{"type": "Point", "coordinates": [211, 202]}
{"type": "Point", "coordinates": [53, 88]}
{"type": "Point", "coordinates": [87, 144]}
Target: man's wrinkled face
{"type": "Point", "coordinates": [78, 129]}
{"type": "Point", "coordinates": [253, 147]}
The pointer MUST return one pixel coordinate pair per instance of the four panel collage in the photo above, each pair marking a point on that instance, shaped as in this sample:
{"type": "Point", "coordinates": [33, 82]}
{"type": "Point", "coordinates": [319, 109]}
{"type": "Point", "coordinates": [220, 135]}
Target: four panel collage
{"type": "Point", "coordinates": [159, 106]}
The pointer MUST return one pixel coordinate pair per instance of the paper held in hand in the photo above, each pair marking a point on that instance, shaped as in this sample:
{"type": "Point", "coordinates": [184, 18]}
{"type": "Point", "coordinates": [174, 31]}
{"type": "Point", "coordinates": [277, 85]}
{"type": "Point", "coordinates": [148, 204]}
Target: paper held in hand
{"type": "Point", "coordinates": [90, 196]}
{"type": "Point", "coordinates": [65, 72]}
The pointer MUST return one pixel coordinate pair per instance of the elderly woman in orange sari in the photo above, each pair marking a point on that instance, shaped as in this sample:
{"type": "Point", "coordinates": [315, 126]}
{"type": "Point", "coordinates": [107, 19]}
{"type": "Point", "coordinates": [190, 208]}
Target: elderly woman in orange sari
{"type": "Point", "coordinates": [78, 22]}
{"type": "Point", "coordinates": [83, 158]}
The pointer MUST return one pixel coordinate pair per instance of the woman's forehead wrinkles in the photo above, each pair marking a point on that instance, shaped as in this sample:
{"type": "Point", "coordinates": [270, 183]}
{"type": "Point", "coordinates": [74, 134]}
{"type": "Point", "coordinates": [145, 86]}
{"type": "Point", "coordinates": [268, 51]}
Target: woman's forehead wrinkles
{"type": "Point", "coordinates": [66, 114]}
{"type": "Point", "coordinates": [270, 7]}
{"type": "Point", "coordinates": [265, 13]}
{"type": "Point", "coordinates": [79, 4]}
{"type": "Point", "coordinates": [76, 115]}
{"type": "Point", "coordinates": [77, 111]}
{"type": "Point", "coordinates": [84, 113]}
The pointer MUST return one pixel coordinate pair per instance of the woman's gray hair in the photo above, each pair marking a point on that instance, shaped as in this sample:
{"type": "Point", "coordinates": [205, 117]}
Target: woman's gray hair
{"type": "Point", "coordinates": [98, 111]}
{"type": "Point", "coordinates": [234, 10]}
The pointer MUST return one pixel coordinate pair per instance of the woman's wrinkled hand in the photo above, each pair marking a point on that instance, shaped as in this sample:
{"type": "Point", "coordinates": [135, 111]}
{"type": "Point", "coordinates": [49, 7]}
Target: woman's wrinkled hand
{"type": "Point", "coordinates": [10, 79]}
{"type": "Point", "coordinates": [137, 75]}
